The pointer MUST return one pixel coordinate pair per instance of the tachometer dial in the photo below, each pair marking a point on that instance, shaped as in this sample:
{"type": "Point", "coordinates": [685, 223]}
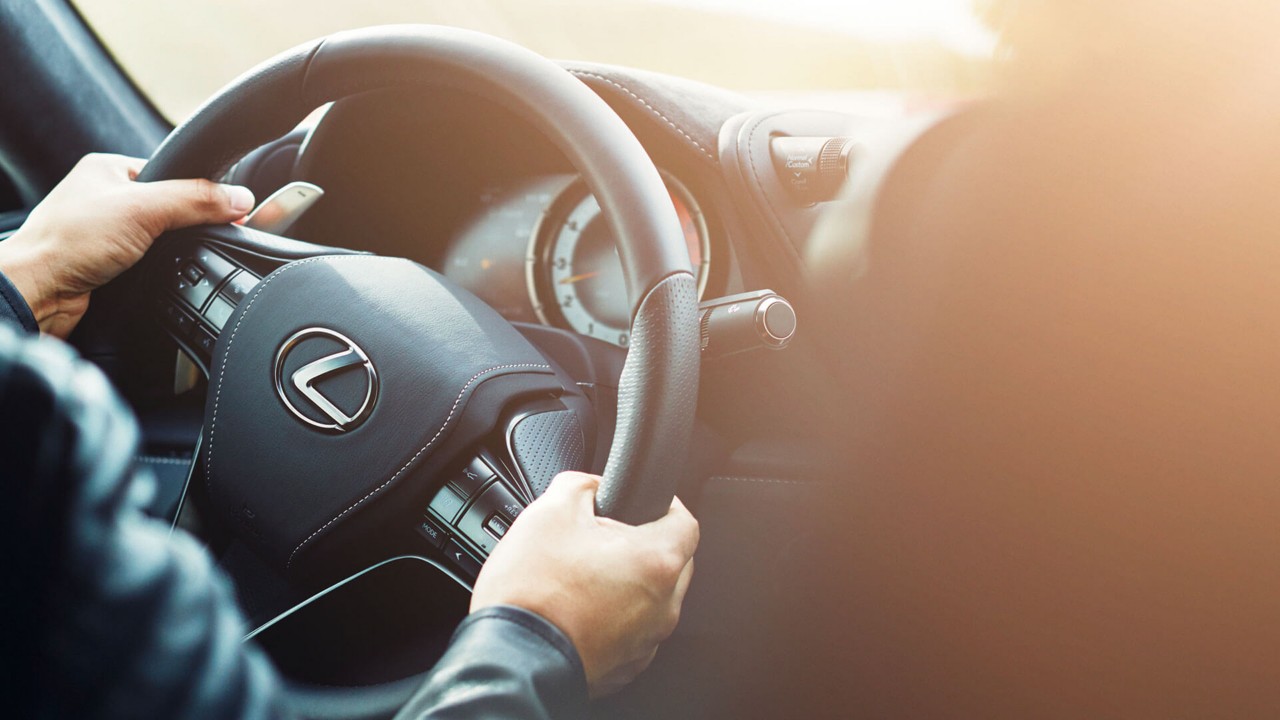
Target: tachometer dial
{"type": "Point", "coordinates": [575, 274]}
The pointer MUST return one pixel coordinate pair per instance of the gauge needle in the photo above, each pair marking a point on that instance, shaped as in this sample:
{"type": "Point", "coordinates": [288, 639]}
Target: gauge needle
{"type": "Point", "coordinates": [575, 278]}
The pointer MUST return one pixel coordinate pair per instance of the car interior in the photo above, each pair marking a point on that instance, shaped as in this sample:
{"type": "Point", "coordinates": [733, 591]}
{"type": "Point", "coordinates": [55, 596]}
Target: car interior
{"type": "Point", "coordinates": [472, 268]}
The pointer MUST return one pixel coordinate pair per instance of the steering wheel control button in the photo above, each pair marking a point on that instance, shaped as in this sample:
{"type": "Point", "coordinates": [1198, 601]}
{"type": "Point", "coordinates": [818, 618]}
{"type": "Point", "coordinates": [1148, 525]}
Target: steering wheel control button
{"type": "Point", "coordinates": [497, 526]}
{"type": "Point", "coordinates": [239, 286]}
{"type": "Point", "coordinates": [447, 504]}
{"type": "Point", "coordinates": [204, 341]}
{"type": "Point", "coordinates": [460, 557]}
{"type": "Point", "coordinates": [192, 273]}
{"type": "Point", "coordinates": [325, 380]}
{"type": "Point", "coordinates": [473, 478]}
{"type": "Point", "coordinates": [194, 292]}
{"type": "Point", "coordinates": [475, 523]}
{"type": "Point", "coordinates": [433, 533]}
{"type": "Point", "coordinates": [218, 312]}
{"type": "Point", "coordinates": [179, 320]}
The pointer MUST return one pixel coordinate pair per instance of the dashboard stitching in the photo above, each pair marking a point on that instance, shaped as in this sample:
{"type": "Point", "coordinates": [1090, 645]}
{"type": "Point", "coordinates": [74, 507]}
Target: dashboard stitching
{"type": "Point", "coordinates": [751, 154]}
{"type": "Point", "coordinates": [652, 109]}
{"type": "Point", "coordinates": [398, 473]}
{"type": "Point", "coordinates": [770, 481]}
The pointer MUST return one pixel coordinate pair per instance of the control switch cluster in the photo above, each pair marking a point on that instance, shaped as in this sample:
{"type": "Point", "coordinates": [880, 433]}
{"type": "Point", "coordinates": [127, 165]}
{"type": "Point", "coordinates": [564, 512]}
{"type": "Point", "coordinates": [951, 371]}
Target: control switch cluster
{"type": "Point", "coordinates": [469, 515]}
{"type": "Point", "coordinates": [204, 288]}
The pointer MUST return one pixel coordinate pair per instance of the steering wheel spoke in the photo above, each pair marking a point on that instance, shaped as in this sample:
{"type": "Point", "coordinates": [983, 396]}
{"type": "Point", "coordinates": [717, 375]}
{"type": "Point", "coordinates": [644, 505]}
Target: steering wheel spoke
{"type": "Point", "coordinates": [479, 499]}
{"type": "Point", "coordinates": [200, 275]}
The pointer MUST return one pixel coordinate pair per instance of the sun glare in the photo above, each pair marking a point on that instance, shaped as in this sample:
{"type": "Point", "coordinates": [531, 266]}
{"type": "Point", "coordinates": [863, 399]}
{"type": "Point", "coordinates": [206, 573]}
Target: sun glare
{"type": "Point", "coordinates": [951, 23]}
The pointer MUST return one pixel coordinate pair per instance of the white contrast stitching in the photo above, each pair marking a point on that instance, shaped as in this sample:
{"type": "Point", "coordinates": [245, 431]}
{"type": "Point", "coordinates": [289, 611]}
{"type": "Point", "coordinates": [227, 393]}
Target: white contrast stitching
{"type": "Point", "coordinates": [213, 422]}
{"type": "Point", "coordinates": [222, 371]}
{"type": "Point", "coordinates": [652, 109]}
{"type": "Point", "coordinates": [416, 455]}
{"type": "Point", "coordinates": [159, 460]}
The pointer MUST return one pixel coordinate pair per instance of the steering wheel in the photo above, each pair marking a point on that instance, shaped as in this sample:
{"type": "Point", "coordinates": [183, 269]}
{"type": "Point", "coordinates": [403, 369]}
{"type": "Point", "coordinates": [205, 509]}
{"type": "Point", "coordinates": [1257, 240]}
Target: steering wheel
{"type": "Point", "coordinates": [342, 385]}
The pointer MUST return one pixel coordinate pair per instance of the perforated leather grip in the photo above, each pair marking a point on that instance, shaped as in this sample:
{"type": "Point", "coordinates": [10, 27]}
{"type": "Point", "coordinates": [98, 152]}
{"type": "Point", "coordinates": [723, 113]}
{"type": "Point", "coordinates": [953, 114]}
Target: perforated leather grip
{"type": "Point", "coordinates": [657, 397]}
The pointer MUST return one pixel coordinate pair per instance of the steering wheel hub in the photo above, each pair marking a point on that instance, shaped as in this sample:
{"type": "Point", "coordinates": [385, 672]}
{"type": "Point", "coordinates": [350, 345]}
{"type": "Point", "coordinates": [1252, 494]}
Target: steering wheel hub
{"type": "Point", "coordinates": [305, 435]}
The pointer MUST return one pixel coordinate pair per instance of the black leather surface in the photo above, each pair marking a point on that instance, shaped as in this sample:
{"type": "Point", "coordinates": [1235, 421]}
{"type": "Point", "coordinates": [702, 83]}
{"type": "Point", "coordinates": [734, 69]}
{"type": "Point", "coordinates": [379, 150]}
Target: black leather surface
{"type": "Point", "coordinates": [658, 389]}
{"type": "Point", "coordinates": [545, 444]}
{"type": "Point", "coordinates": [660, 377]}
{"type": "Point", "coordinates": [689, 112]}
{"type": "Point", "coordinates": [283, 483]}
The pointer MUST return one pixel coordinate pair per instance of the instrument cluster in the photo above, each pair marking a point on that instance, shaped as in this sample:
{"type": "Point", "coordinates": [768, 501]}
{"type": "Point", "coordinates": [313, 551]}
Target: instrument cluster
{"type": "Point", "coordinates": [540, 250]}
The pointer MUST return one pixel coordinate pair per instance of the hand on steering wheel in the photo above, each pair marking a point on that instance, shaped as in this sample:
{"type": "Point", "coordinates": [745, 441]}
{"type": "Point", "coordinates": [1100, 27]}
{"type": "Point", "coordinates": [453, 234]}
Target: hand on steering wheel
{"type": "Point", "coordinates": [614, 589]}
{"type": "Point", "coordinates": [95, 225]}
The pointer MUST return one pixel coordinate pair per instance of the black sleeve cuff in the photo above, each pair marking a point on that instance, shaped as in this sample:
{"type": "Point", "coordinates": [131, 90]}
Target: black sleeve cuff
{"type": "Point", "coordinates": [14, 308]}
{"type": "Point", "coordinates": [534, 623]}
{"type": "Point", "coordinates": [504, 662]}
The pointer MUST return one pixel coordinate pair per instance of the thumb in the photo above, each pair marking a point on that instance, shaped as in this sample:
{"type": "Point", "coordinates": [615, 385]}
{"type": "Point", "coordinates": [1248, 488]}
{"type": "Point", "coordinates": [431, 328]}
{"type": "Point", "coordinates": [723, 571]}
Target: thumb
{"type": "Point", "coordinates": [575, 489]}
{"type": "Point", "coordinates": [174, 204]}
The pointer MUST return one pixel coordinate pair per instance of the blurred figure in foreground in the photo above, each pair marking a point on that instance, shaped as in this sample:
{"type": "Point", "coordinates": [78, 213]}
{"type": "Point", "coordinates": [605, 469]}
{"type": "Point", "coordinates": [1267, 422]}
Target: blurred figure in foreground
{"type": "Point", "coordinates": [1064, 499]}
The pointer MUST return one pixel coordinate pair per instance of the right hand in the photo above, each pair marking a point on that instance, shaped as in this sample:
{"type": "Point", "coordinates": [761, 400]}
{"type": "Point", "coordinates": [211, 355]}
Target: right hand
{"type": "Point", "coordinates": [614, 589]}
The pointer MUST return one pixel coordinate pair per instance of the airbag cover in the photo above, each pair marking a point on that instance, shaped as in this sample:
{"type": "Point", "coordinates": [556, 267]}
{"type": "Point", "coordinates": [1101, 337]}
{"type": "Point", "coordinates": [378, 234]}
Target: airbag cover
{"type": "Point", "coordinates": [332, 381]}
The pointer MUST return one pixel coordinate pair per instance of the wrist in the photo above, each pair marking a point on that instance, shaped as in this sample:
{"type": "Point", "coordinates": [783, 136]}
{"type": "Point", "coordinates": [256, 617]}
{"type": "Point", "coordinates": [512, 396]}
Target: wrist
{"type": "Point", "coordinates": [27, 266]}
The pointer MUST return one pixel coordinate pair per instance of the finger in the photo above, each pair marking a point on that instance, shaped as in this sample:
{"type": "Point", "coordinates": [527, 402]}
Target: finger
{"type": "Point", "coordinates": [677, 529]}
{"type": "Point", "coordinates": [682, 584]}
{"type": "Point", "coordinates": [576, 489]}
{"type": "Point", "coordinates": [177, 204]}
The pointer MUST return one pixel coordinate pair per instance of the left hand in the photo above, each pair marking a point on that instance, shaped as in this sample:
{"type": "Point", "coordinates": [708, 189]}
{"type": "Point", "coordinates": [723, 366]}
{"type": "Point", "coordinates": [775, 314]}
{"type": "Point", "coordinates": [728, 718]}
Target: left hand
{"type": "Point", "coordinates": [95, 225]}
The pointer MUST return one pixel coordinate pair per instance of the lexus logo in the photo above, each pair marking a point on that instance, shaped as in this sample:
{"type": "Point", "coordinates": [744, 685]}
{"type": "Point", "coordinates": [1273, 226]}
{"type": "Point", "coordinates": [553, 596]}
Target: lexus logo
{"type": "Point", "coordinates": [324, 413]}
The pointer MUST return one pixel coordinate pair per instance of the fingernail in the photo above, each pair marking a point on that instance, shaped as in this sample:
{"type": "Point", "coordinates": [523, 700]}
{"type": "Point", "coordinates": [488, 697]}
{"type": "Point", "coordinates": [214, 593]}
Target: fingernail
{"type": "Point", "coordinates": [241, 198]}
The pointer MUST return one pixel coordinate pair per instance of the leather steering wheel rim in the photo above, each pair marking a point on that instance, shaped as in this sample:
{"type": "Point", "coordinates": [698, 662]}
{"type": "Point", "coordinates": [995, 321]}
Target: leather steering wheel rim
{"type": "Point", "coordinates": [658, 388]}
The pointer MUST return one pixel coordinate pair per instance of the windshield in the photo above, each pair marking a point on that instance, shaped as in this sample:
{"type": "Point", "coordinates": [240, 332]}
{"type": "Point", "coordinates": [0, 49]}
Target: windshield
{"type": "Point", "coordinates": [180, 53]}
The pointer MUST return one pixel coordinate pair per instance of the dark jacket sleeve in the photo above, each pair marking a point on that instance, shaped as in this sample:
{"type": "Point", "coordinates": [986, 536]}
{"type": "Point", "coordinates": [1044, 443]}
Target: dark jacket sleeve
{"type": "Point", "coordinates": [14, 308]}
{"type": "Point", "coordinates": [504, 662]}
{"type": "Point", "coordinates": [117, 617]}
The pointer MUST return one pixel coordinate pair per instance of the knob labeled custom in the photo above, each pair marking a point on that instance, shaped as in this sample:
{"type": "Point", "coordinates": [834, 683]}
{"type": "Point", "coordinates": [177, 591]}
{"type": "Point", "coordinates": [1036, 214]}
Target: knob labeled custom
{"type": "Point", "coordinates": [813, 169]}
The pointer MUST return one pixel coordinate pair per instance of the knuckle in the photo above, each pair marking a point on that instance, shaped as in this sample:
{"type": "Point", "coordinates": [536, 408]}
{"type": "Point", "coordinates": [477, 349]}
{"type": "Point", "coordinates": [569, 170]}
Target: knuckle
{"type": "Point", "coordinates": [695, 530]}
{"type": "Point", "coordinates": [666, 566]}
{"type": "Point", "coordinates": [667, 626]}
{"type": "Point", "coordinates": [578, 479]}
{"type": "Point", "coordinates": [206, 193]}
